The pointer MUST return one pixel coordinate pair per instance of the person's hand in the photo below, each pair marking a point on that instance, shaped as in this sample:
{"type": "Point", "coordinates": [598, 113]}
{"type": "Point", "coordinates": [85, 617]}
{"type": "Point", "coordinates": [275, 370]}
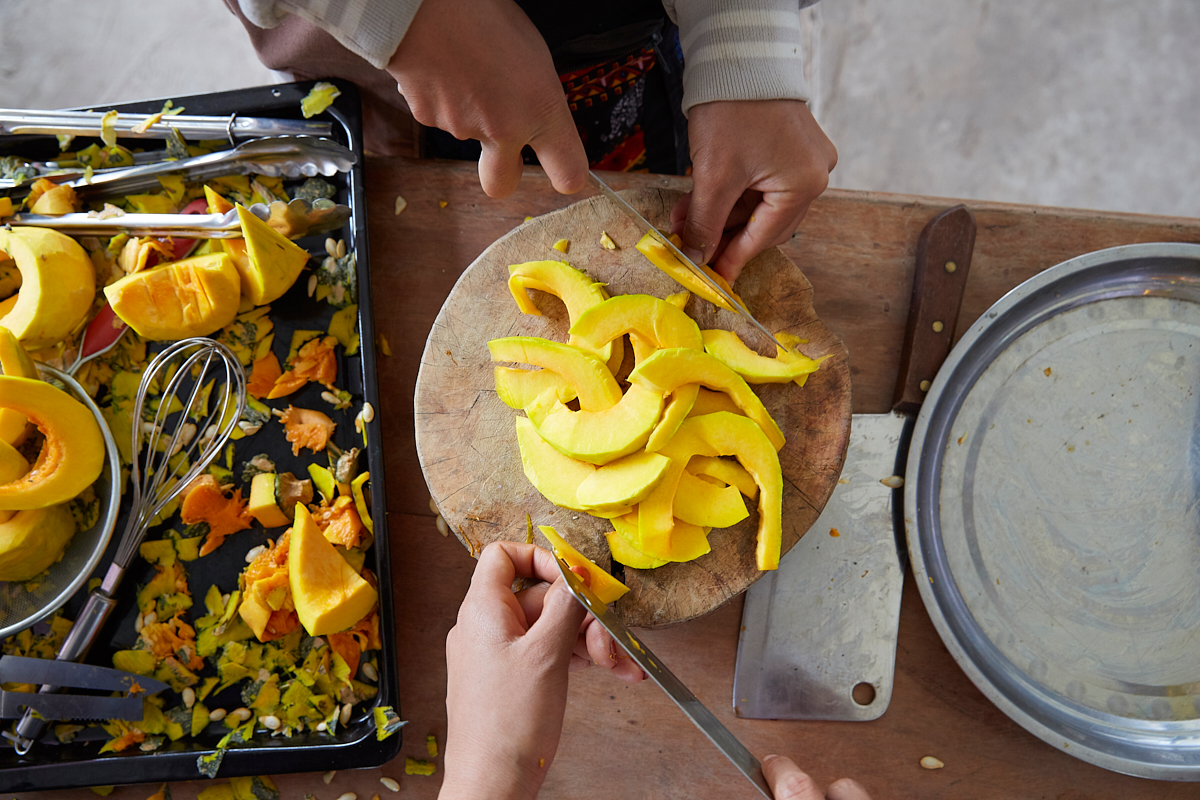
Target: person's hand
{"type": "Point", "coordinates": [479, 69]}
{"type": "Point", "coordinates": [788, 782]}
{"type": "Point", "coordinates": [507, 660]}
{"type": "Point", "coordinates": [756, 167]}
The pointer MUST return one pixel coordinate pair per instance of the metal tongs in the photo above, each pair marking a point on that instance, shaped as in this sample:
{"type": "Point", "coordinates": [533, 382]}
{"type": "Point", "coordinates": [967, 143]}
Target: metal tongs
{"type": "Point", "coordinates": [297, 218]}
{"type": "Point", "coordinates": [90, 123]}
{"type": "Point", "coordinates": [66, 674]}
{"type": "Point", "coordinates": [282, 156]}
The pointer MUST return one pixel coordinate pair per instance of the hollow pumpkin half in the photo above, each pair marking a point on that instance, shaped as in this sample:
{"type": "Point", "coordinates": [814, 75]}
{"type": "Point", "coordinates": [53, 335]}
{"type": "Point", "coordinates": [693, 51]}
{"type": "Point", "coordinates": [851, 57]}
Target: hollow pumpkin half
{"type": "Point", "coordinates": [72, 455]}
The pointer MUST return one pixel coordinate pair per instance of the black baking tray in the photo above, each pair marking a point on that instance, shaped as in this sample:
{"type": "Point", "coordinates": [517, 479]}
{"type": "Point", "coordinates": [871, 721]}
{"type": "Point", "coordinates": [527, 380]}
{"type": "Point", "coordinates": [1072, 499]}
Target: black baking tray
{"type": "Point", "coordinates": [355, 745]}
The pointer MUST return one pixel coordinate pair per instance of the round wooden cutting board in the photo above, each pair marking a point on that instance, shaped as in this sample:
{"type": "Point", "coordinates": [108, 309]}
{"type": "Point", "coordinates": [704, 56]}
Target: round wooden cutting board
{"type": "Point", "coordinates": [466, 437]}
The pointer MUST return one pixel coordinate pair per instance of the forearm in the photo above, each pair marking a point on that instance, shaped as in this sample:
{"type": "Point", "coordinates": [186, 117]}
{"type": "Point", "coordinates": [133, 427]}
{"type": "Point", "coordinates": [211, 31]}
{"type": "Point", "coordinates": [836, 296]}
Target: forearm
{"type": "Point", "coordinates": [367, 28]}
{"type": "Point", "coordinates": [739, 51]}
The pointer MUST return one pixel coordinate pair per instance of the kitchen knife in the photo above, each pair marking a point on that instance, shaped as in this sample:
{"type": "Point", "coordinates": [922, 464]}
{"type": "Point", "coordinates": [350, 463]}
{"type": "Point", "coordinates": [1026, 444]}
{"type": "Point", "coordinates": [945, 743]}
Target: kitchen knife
{"type": "Point", "coordinates": [645, 227]}
{"type": "Point", "coordinates": [818, 636]}
{"type": "Point", "coordinates": [696, 711]}
{"type": "Point", "coordinates": [71, 675]}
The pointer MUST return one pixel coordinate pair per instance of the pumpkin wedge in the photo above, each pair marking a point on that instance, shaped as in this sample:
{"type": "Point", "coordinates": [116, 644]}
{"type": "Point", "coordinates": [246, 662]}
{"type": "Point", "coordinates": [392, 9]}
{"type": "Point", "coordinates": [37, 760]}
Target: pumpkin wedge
{"type": "Point", "coordinates": [72, 455]}
{"type": "Point", "coordinates": [329, 595]}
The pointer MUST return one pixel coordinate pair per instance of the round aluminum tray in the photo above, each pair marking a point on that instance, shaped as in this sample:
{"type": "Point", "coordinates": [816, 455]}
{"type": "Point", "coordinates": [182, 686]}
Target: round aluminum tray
{"type": "Point", "coordinates": [1051, 507]}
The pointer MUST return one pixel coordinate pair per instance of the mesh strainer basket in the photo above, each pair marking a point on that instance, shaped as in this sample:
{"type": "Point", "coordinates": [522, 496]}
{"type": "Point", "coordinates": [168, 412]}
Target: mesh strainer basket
{"type": "Point", "coordinates": [23, 604]}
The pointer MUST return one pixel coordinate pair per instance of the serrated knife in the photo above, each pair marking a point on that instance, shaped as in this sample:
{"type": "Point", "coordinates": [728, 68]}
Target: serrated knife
{"type": "Point", "coordinates": [71, 675]}
{"type": "Point", "coordinates": [818, 638]}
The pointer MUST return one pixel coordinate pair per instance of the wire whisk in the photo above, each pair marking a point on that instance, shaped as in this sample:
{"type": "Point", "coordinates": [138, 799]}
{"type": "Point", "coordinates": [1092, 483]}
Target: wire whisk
{"type": "Point", "coordinates": [179, 442]}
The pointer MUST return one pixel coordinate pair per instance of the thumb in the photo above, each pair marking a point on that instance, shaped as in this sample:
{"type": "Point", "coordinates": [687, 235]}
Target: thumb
{"type": "Point", "coordinates": [557, 628]}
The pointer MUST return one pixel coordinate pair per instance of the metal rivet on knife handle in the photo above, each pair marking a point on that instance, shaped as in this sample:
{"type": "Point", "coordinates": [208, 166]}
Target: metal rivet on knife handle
{"type": "Point", "coordinates": [947, 239]}
{"type": "Point", "coordinates": [938, 326]}
{"type": "Point", "coordinates": [925, 386]}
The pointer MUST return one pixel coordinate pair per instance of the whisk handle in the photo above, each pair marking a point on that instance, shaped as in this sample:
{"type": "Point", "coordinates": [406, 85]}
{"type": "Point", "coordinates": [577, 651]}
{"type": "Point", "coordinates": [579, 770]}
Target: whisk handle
{"type": "Point", "coordinates": [75, 647]}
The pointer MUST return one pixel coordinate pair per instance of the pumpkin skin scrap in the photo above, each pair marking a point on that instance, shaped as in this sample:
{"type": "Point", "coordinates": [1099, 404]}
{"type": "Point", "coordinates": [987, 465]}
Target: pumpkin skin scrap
{"type": "Point", "coordinates": [58, 285]}
{"type": "Point", "coordinates": [72, 456]}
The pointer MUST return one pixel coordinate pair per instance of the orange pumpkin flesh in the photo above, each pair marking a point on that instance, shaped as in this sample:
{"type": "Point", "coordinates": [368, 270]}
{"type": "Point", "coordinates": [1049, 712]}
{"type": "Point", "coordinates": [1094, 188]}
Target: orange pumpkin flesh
{"type": "Point", "coordinates": [73, 453]}
{"type": "Point", "coordinates": [205, 502]}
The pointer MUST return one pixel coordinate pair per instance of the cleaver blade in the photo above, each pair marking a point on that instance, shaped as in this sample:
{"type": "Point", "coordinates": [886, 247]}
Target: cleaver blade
{"type": "Point", "coordinates": [818, 638]}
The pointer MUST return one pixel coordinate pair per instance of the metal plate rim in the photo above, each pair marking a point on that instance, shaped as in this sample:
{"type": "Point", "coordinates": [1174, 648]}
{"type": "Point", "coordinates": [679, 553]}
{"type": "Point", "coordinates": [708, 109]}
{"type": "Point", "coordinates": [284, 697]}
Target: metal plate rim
{"type": "Point", "coordinates": [920, 538]}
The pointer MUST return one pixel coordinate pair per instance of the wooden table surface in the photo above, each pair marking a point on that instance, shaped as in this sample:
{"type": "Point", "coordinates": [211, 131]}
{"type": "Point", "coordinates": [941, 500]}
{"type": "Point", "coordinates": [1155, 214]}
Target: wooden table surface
{"type": "Point", "coordinates": [623, 742]}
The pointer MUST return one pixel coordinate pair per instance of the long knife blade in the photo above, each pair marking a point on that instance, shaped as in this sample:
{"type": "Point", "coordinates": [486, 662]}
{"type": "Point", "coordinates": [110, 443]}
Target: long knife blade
{"type": "Point", "coordinates": [696, 711]}
{"type": "Point", "coordinates": [819, 635]}
{"type": "Point", "coordinates": [646, 228]}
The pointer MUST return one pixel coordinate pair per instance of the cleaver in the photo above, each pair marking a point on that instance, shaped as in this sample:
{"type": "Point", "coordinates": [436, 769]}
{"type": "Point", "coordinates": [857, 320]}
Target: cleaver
{"type": "Point", "coordinates": [818, 637]}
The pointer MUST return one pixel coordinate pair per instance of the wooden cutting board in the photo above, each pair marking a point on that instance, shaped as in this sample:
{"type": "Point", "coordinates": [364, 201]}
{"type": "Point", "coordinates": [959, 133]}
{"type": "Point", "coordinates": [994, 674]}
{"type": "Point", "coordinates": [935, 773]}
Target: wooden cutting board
{"type": "Point", "coordinates": [466, 437]}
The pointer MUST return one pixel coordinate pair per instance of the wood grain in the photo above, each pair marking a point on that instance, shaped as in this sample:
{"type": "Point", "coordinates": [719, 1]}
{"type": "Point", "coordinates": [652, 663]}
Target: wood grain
{"type": "Point", "coordinates": [466, 439]}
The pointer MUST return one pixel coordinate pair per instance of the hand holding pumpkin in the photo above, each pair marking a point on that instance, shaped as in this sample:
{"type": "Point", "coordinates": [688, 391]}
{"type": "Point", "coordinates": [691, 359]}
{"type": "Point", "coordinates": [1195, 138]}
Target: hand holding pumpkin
{"type": "Point", "coordinates": [507, 661]}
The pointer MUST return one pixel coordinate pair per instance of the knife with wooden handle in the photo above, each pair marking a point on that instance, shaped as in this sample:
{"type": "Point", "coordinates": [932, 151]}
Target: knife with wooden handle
{"type": "Point", "coordinates": [818, 636]}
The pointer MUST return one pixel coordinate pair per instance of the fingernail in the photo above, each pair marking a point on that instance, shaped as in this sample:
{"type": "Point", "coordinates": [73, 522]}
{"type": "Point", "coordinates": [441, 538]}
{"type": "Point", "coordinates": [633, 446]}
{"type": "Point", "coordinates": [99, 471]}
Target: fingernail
{"type": "Point", "coordinates": [696, 256]}
{"type": "Point", "coordinates": [768, 759]}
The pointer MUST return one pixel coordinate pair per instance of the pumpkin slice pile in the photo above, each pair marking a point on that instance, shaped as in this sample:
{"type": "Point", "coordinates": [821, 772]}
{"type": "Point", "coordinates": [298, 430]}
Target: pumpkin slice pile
{"type": "Point", "coordinates": [36, 521]}
{"type": "Point", "coordinates": [666, 459]}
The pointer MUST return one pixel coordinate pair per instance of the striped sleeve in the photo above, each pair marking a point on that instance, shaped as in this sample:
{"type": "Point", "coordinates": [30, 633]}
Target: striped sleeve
{"type": "Point", "coordinates": [740, 50]}
{"type": "Point", "coordinates": [367, 28]}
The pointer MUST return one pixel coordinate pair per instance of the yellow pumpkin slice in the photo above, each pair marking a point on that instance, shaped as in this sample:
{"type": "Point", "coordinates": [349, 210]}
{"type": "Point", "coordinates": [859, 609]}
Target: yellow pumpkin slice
{"type": "Point", "coordinates": [665, 260]}
{"type": "Point", "coordinates": [517, 388]}
{"type": "Point", "coordinates": [328, 594]}
{"type": "Point", "coordinates": [622, 482]}
{"type": "Point", "coordinates": [667, 370]}
{"type": "Point", "coordinates": [787, 366]}
{"type": "Point", "coordinates": [15, 361]}
{"type": "Point", "coordinates": [72, 455]}
{"type": "Point", "coordinates": [607, 588]}
{"type": "Point", "coordinates": [577, 291]}
{"type": "Point", "coordinates": [598, 437]}
{"type": "Point", "coordinates": [623, 551]}
{"type": "Point", "coordinates": [58, 285]}
{"type": "Point", "coordinates": [587, 374]}
{"type": "Point", "coordinates": [33, 540]}
{"type": "Point", "coordinates": [274, 262]}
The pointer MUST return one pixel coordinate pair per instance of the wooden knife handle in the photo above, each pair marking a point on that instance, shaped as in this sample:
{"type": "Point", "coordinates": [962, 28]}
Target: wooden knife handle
{"type": "Point", "coordinates": [943, 261]}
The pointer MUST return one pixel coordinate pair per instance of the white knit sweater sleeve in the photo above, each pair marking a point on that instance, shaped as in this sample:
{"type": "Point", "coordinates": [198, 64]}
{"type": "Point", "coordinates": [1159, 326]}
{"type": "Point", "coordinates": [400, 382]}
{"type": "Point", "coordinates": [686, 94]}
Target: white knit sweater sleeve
{"type": "Point", "coordinates": [368, 28]}
{"type": "Point", "coordinates": [740, 49]}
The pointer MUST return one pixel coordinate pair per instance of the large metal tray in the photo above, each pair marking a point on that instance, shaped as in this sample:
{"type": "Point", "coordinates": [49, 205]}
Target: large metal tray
{"type": "Point", "coordinates": [49, 766]}
{"type": "Point", "coordinates": [1051, 497]}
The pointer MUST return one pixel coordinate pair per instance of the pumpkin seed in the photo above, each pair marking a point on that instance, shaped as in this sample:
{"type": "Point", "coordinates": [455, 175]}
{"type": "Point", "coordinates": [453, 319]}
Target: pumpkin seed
{"type": "Point", "coordinates": [391, 783]}
{"type": "Point", "coordinates": [328, 776]}
{"type": "Point", "coordinates": [216, 715]}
